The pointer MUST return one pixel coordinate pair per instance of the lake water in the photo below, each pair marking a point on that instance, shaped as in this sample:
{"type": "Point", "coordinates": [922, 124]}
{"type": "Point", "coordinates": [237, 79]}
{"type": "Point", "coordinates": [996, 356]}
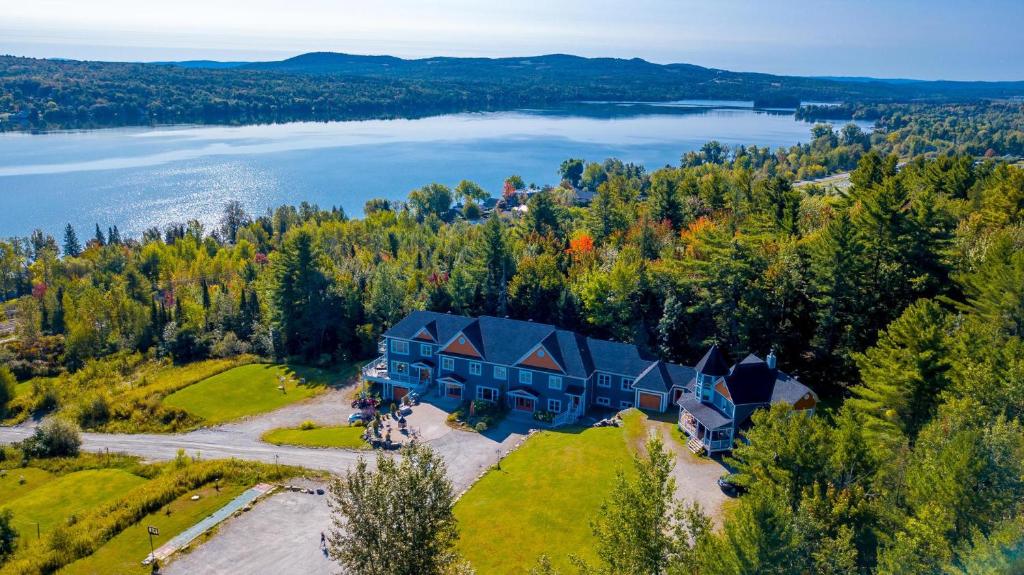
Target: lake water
{"type": "Point", "coordinates": [141, 177]}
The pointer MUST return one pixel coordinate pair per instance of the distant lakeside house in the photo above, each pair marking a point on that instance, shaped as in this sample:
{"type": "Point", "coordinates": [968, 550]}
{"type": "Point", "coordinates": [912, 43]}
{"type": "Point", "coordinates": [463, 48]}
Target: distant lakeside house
{"type": "Point", "coordinates": [558, 375]}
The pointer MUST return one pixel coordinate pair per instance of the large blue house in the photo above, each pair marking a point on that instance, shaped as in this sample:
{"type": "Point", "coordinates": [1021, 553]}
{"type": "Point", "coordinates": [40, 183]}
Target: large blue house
{"type": "Point", "coordinates": [534, 367]}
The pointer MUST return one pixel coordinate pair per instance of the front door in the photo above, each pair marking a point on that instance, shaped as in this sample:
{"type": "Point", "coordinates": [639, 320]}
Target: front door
{"type": "Point", "coordinates": [523, 403]}
{"type": "Point", "coordinates": [574, 401]}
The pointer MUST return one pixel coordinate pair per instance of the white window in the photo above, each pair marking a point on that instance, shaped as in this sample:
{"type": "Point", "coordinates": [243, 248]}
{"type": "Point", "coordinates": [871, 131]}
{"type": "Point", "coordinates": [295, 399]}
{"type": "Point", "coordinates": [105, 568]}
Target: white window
{"type": "Point", "coordinates": [604, 380]}
{"type": "Point", "coordinates": [426, 350]}
{"type": "Point", "coordinates": [627, 384]}
{"type": "Point", "coordinates": [474, 368]}
{"type": "Point", "coordinates": [625, 404]}
{"type": "Point", "coordinates": [448, 364]}
{"type": "Point", "coordinates": [487, 394]}
{"type": "Point", "coordinates": [555, 405]}
{"type": "Point", "coordinates": [525, 377]}
{"type": "Point", "coordinates": [603, 401]}
{"type": "Point", "coordinates": [400, 347]}
{"type": "Point", "coordinates": [500, 373]}
{"type": "Point", "coordinates": [554, 382]}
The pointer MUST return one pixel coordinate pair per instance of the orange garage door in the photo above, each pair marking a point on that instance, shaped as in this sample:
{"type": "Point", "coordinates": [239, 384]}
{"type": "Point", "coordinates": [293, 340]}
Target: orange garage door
{"type": "Point", "coordinates": [399, 393]}
{"type": "Point", "coordinates": [650, 401]}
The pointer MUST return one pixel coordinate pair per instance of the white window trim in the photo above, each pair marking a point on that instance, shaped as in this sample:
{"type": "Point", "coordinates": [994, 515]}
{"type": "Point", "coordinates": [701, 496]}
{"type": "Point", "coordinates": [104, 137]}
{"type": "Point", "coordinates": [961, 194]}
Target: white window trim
{"type": "Point", "coordinates": [607, 402]}
{"type": "Point", "coordinates": [448, 363]}
{"type": "Point", "coordinates": [626, 384]}
{"type": "Point", "coordinates": [525, 377]}
{"type": "Point", "coordinates": [395, 365]}
{"type": "Point", "coordinates": [503, 375]}
{"type": "Point", "coordinates": [555, 401]}
{"type": "Point", "coordinates": [426, 350]}
{"type": "Point", "coordinates": [606, 378]}
{"type": "Point", "coordinates": [552, 380]}
{"type": "Point", "coordinates": [480, 388]}
{"type": "Point", "coordinates": [475, 368]}
{"type": "Point", "coordinates": [625, 404]}
{"type": "Point", "coordinates": [397, 345]}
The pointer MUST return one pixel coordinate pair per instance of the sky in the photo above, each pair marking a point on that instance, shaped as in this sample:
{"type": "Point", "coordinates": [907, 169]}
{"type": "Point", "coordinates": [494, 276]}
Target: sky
{"type": "Point", "coordinates": [936, 39]}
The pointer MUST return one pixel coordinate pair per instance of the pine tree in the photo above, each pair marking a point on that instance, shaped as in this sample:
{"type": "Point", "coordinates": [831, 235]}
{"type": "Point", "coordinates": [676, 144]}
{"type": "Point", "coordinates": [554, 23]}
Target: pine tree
{"type": "Point", "coordinates": [903, 375]}
{"type": "Point", "coordinates": [498, 265]}
{"type": "Point", "coordinates": [99, 237]}
{"type": "Point", "coordinates": [113, 236]}
{"type": "Point", "coordinates": [72, 247]}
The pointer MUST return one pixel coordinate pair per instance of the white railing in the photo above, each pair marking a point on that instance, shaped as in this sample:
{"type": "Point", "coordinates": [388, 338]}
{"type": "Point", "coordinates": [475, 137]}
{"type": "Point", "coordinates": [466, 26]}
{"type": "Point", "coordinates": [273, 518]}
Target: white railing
{"type": "Point", "coordinates": [568, 416]}
{"type": "Point", "coordinates": [378, 369]}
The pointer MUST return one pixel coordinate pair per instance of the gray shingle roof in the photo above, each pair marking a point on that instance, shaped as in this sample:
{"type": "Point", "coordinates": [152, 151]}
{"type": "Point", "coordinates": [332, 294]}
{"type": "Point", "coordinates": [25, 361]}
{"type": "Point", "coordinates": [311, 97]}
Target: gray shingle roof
{"type": "Point", "coordinates": [713, 362]}
{"type": "Point", "coordinates": [661, 377]}
{"type": "Point", "coordinates": [445, 325]}
{"type": "Point", "coordinates": [616, 357]}
{"type": "Point", "coordinates": [751, 381]}
{"type": "Point", "coordinates": [707, 415]}
{"type": "Point", "coordinates": [789, 390]}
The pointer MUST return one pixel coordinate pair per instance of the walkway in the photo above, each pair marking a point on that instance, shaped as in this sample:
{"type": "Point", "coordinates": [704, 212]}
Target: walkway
{"type": "Point", "coordinates": [192, 533]}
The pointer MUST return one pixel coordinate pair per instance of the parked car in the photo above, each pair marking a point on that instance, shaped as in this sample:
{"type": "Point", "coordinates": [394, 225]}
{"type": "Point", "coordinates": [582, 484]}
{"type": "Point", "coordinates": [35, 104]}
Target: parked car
{"type": "Point", "coordinates": [357, 416]}
{"type": "Point", "coordinates": [730, 487]}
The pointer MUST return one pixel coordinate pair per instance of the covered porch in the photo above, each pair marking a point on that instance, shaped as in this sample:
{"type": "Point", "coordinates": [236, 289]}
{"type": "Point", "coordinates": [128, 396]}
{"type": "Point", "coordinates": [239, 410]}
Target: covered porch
{"type": "Point", "coordinates": [400, 378]}
{"type": "Point", "coordinates": [451, 386]}
{"type": "Point", "coordinates": [523, 400]}
{"type": "Point", "coordinates": [709, 430]}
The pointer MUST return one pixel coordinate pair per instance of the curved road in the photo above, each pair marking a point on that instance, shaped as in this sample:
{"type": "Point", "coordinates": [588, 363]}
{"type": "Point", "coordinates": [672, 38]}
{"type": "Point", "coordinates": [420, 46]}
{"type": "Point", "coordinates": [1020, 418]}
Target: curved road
{"type": "Point", "coordinates": [467, 454]}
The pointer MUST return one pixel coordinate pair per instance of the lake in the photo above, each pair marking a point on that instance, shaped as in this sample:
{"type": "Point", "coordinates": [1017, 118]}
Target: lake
{"type": "Point", "coordinates": [141, 177]}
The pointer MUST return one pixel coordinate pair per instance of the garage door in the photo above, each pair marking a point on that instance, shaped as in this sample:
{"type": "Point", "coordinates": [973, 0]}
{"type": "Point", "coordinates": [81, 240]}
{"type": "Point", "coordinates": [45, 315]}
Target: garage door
{"type": "Point", "coordinates": [399, 393]}
{"type": "Point", "coordinates": [650, 401]}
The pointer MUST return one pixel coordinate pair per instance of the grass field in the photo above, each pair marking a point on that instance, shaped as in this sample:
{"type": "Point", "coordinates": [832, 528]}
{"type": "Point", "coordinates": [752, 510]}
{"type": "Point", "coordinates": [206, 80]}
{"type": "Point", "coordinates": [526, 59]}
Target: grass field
{"type": "Point", "coordinates": [543, 497]}
{"type": "Point", "coordinates": [251, 389]}
{"type": "Point", "coordinates": [124, 553]}
{"type": "Point", "coordinates": [11, 486]}
{"type": "Point", "coordinates": [342, 436]}
{"type": "Point", "coordinates": [54, 501]}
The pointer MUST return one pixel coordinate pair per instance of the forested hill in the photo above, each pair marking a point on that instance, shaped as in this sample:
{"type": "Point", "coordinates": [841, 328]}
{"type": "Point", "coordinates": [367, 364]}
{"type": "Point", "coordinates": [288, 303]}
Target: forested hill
{"type": "Point", "coordinates": [635, 74]}
{"type": "Point", "coordinates": [49, 94]}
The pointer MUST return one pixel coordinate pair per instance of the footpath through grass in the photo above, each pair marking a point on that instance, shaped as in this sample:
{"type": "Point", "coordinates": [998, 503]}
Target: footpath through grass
{"type": "Point", "coordinates": [54, 501]}
{"type": "Point", "coordinates": [252, 389]}
{"type": "Point", "coordinates": [338, 436]}
{"type": "Point", "coordinates": [124, 553]}
{"type": "Point", "coordinates": [543, 498]}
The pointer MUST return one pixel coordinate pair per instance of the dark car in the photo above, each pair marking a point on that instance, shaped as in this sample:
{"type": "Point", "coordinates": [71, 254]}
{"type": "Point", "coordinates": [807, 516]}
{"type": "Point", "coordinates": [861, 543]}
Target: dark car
{"type": "Point", "coordinates": [730, 487]}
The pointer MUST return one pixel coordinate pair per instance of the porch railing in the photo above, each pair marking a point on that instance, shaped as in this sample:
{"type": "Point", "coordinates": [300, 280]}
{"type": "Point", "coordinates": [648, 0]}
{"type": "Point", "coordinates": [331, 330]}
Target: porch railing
{"type": "Point", "coordinates": [569, 416]}
{"type": "Point", "coordinates": [378, 369]}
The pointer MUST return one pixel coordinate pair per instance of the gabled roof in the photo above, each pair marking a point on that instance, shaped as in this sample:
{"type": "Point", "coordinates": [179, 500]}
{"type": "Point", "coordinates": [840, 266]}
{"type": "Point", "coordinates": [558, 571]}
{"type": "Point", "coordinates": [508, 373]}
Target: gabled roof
{"type": "Point", "coordinates": [445, 325]}
{"type": "Point", "coordinates": [713, 363]}
{"type": "Point", "coordinates": [789, 390]}
{"type": "Point", "coordinates": [751, 381]}
{"type": "Point", "coordinates": [662, 377]}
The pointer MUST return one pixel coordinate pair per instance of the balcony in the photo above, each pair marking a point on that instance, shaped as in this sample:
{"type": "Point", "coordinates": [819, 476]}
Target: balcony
{"type": "Point", "coordinates": [377, 370]}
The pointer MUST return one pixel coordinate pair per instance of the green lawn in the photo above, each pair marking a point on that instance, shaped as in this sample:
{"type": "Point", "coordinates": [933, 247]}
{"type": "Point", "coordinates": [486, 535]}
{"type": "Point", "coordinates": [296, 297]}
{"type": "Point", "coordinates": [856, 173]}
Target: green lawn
{"type": "Point", "coordinates": [250, 389]}
{"type": "Point", "coordinates": [124, 553]}
{"type": "Point", "coordinates": [11, 486]}
{"type": "Point", "coordinates": [53, 501]}
{"type": "Point", "coordinates": [543, 498]}
{"type": "Point", "coordinates": [344, 436]}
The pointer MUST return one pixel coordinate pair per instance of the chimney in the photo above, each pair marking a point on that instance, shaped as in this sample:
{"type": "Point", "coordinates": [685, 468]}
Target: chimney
{"type": "Point", "coordinates": [771, 360]}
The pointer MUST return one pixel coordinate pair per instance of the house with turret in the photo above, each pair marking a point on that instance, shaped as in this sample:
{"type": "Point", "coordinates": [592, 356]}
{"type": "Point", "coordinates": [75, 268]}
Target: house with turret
{"type": "Point", "coordinates": [557, 375]}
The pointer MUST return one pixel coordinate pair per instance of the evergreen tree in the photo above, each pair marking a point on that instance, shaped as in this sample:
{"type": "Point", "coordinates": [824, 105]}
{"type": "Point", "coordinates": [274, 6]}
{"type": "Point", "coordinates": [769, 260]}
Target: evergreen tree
{"type": "Point", "coordinates": [665, 201]}
{"type": "Point", "coordinates": [305, 308]}
{"type": "Point", "coordinates": [99, 237]}
{"type": "Point", "coordinates": [72, 247]}
{"type": "Point", "coordinates": [8, 535]}
{"type": "Point", "coordinates": [904, 373]}
{"type": "Point", "coordinates": [498, 265]}
{"type": "Point", "coordinates": [113, 236]}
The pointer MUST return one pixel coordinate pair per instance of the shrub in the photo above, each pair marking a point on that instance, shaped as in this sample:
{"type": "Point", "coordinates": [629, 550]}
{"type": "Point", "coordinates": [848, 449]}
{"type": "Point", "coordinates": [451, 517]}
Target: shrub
{"type": "Point", "coordinates": [55, 437]}
{"type": "Point", "coordinates": [307, 425]}
{"type": "Point", "coordinates": [8, 536]}
{"type": "Point", "coordinates": [481, 426]}
{"type": "Point", "coordinates": [7, 383]}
